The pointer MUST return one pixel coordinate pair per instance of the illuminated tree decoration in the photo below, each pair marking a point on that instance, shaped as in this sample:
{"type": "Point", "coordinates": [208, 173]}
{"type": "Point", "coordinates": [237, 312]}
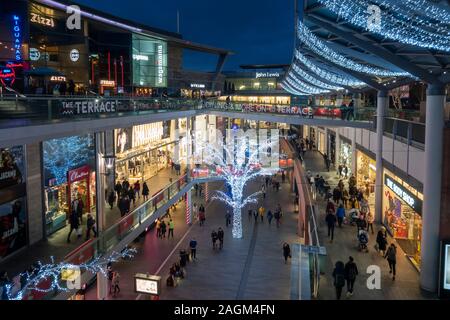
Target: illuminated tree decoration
{"type": "Point", "coordinates": [53, 271]}
{"type": "Point", "coordinates": [62, 155]}
{"type": "Point", "coordinates": [414, 22]}
{"type": "Point", "coordinates": [325, 74]}
{"type": "Point", "coordinates": [241, 160]}
{"type": "Point", "coordinates": [321, 49]}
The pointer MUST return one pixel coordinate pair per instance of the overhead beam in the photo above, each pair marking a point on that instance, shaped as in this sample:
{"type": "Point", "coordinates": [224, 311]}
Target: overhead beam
{"type": "Point", "coordinates": [378, 51]}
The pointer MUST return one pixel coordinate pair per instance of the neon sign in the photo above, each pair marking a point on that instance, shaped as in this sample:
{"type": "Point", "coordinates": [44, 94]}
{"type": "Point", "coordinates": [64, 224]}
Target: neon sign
{"type": "Point", "coordinates": [7, 76]}
{"type": "Point", "coordinates": [160, 64]}
{"type": "Point", "coordinates": [36, 18]}
{"type": "Point", "coordinates": [17, 35]}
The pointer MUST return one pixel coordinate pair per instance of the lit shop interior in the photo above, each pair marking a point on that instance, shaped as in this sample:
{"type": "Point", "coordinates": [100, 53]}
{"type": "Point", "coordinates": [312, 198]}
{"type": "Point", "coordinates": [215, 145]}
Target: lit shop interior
{"type": "Point", "coordinates": [143, 150]}
{"type": "Point", "coordinates": [345, 157]}
{"type": "Point", "coordinates": [402, 215]}
{"type": "Point", "coordinates": [366, 173]}
{"type": "Point", "coordinates": [284, 100]}
{"type": "Point", "coordinates": [69, 178]}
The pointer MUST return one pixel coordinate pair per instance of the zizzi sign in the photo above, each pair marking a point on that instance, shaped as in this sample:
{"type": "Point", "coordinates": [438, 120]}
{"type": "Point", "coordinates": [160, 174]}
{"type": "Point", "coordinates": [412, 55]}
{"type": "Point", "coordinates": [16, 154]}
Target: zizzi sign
{"type": "Point", "coordinates": [410, 199]}
{"type": "Point", "coordinates": [37, 18]}
{"type": "Point", "coordinates": [89, 107]}
{"type": "Point", "coordinates": [267, 75]}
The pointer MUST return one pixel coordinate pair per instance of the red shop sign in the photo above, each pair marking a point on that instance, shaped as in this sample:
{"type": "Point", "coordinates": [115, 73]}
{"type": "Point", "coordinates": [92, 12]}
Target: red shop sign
{"type": "Point", "coordinates": [78, 174]}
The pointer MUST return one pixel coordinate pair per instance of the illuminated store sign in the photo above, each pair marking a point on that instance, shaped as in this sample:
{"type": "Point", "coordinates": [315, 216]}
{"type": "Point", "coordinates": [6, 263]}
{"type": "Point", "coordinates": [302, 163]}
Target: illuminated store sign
{"type": "Point", "coordinates": [108, 83]}
{"type": "Point", "coordinates": [267, 75]}
{"type": "Point", "coordinates": [74, 55]}
{"type": "Point", "coordinates": [35, 55]}
{"type": "Point", "coordinates": [198, 85]}
{"type": "Point", "coordinates": [45, 21]}
{"type": "Point", "coordinates": [147, 284]}
{"type": "Point", "coordinates": [160, 64]}
{"type": "Point", "coordinates": [17, 35]}
{"type": "Point", "coordinates": [403, 194]}
{"type": "Point", "coordinates": [57, 78]}
{"type": "Point", "coordinates": [7, 76]}
{"type": "Point", "coordinates": [88, 107]}
{"type": "Point", "coordinates": [147, 133]}
{"type": "Point", "coordinates": [140, 57]}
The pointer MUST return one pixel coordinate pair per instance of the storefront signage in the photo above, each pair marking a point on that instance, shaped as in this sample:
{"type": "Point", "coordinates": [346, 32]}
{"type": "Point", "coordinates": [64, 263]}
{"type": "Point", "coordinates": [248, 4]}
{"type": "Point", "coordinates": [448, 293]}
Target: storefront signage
{"type": "Point", "coordinates": [79, 174]}
{"type": "Point", "coordinates": [44, 21]}
{"type": "Point", "coordinates": [89, 107]}
{"type": "Point", "coordinates": [405, 195]}
{"type": "Point", "coordinates": [7, 76]}
{"type": "Point", "coordinates": [267, 75]}
{"type": "Point", "coordinates": [108, 83]}
{"type": "Point", "coordinates": [147, 284]}
{"type": "Point", "coordinates": [160, 64]}
{"type": "Point", "coordinates": [17, 33]}
{"type": "Point", "coordinates": [140, 57]}
{"type": "Point", "coordinates": [198, 85]}
{"type": "Point", "coordinates": [74, 55]}
{"type": "Point", "coordinates": [9, 176]}
{"type": "Point", "coordinates": [57, 78]}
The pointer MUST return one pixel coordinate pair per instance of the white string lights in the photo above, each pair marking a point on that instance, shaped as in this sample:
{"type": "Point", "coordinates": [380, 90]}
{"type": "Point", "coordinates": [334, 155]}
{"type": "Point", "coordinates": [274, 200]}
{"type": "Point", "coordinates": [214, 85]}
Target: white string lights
{"type": "Point", "coordinates": [303, 86]}
{"type": "Point", "coordinates": [314, 81]}
{"type": "Point", "coordinates": [398, 21]}
{"type": "Point", "coordinates": [320, 48]}
{"type": "Point", "coordinates": [291, 90]}
{"type": "Point", "coordinates": [327, 75]}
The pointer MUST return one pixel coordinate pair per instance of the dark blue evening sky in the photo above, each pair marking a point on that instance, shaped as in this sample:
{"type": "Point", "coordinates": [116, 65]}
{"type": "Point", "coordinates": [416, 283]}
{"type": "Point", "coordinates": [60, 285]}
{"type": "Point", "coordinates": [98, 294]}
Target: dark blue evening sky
{"type": "Point", "coordinates": [258, 31]}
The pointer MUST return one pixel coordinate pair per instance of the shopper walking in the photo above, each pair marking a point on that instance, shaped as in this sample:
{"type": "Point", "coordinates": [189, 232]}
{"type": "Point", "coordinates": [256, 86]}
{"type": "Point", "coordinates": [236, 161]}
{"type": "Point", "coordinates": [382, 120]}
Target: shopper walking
{"type": "Point", "coordinates": [391, 257]}
{"type": "Point", "coordinates": [118, 190]}
{"type": "Point", "coordinates": [111, 198]}
{"type": "Point", "coordinates": [214, 238]}
{"type": "Point", "coordinates": [351, 271]}
{"type": "Point", "coordinates": [193, 247]}
{"type": "Point", "coordinates": [286, 252]}
{"type": "Point", "coordinates": [163, 229]}
{"type": "Point", "coordinates": [228, 218]}
{"type": "Point", "coordinates": [370, 220]}
{"type": "Point", "coordinates": [262, 210]}
{"type": "Point", "coordinates": [116, 283]}
{"type": "Point", "coordinates": [90, 226]}
{"type": "Point", "coordinates": [277, 217]}
{"type": "Point", "coordinates": [220, 235]}
{"type": "Point", "coordinates": [339, 278]}
{"type": "Point", "coordinates": [201, 214]}
{"type": "Point", "coordinates": [74, 224]}
{"type": "Point", "coordinates": [381, 240]}
{"type": "Point", "coordinates": [269, 216]}
{"type": "Point", "coordinates": [255, 215]}
{"type": "Point", "coordinates": [171, 227]}
{"type": "Point", "coordinates": [145, 191]}
{"type": "Point", "coordinates": [132, 196]}
{"type": "Point", "coordinates": [340, 214]}
{"type": "Point", "coordinates": [158, 228]}
{"type": "Point", "coordinates": [331, 223]}
{"type": "Point", "coordinates": [263, 191]}
{"type": "Point", "coordinates": [137, 189]}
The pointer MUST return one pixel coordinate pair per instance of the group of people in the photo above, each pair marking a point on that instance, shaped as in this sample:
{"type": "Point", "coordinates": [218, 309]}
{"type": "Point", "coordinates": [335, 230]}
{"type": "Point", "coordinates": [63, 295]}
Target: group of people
{"type": "Point", "coordinates": [217, 236]}
{"type": "Point", "coordinates": [199, 213]}
{"type": "Point", "coordinates": [76, 221]}
{"type": "Point", "coordinates": [114, 280]}
{"type": "Point", "coordinates": [261, 212]}
{"type": "Point", "coordinates": [127, 194]}
{"type": "Point", "coordinates": [162, 227]}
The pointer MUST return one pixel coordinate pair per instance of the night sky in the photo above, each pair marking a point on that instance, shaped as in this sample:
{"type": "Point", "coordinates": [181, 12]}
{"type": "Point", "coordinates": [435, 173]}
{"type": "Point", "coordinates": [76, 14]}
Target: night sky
{"type": "Point", "coordinates": [258, 31]}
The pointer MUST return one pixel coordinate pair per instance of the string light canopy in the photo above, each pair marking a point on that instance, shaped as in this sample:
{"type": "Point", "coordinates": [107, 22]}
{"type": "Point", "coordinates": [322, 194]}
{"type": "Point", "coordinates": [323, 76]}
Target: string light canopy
{"type": "Point", "coordinates": [293, 91]}
{"type": "Point", "coordinates": [313, 80]}
{"type": "Point", "coordinates": [398, 20]}
{"type": "Point", "coordinates": [321, 49]}
{"type": "Point", "coordinates": [303, 86]}
{"type": "Point", "coordinates": [325, 74]}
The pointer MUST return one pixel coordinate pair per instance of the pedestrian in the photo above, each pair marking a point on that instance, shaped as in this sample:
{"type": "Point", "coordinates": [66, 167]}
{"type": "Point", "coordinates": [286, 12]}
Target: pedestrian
{"type": "Point", "coordinates": [193, 247]}
{"type": "Point", "coordinates": [116, 282]}
{"type": "Point", "coordinates": [171, 227]}
{"type": "Point", "coordinates": [228, 218]}
{"type": "Point", "coordinates": [269, 216]}
{"type": "Point", "coordinates": [381, 240]}
{"type": "Point", "coordinates": [340, 214]}
{"type": "Point", "coordinates": [122, 206]}
{"type": "Point", "coordinates": [255, 215]}
{"type": "Point", "coordinates": [330, 219]}
{"type": "Point", "coordinates": [391, 257]}
{"type": "Point", "coordinates": [267, 179]}
{"type": "Point", "coordinates": [196, 189]}
{"type": "Point", "coordinates": [90, 226]}
{"type": "Point", "coordinates": [158, 228]}
{"type": "Point", "coordinates": [163, 229]}
{"type": "Point", "coordinates": [286, 252]}
{"type": "Point", "coordinates": [80, 207]}
{"type": "Point", "coordinates": [220, 235]}
{"type": "Point", "coordinates": [277, 217]}
{"type": "Point", "coordinates": [283, 176]}
{"type": "Point", "coordinates": [201, 214]}
{"type": "Point", "coordinates": [370, 220]}
{"type": "Point", "coordinates": [330, 206]}
{"type": "Point", "coordinates": [263, 190]}
{"type": "Point", "coordinates": [145, 191]}
{"type": "Point", "coordinates": [351, 271]}
{"type": "Point", "coordinates": [118, 190]}
{"type": "Point", "coordinates": [195, 211]}
{"type": "Point", "coordinates": [74, 224]}
{"type": "Point", "coordinates": [132, 196]}
{"type": "Point", "coordinates": [262, 210]}
{"type": "Point", "coordinates": [111, 198]}
{"type": "Point", "coordinates": [214, 238]}
{"type": "Point", "coordinates": [137, 189]}
{"type": "Point", "coordinates": [110, 274]}
{"type": "Point", "coordinates": [339, 278]}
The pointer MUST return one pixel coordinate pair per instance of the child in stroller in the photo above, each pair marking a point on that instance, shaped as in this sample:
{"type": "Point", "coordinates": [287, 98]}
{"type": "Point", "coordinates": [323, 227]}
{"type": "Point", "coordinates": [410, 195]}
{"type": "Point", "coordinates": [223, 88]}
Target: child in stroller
{"type": "Point", "coordinates": [354, 216]}
{"type": "Point", "coordinates": [363, 238]}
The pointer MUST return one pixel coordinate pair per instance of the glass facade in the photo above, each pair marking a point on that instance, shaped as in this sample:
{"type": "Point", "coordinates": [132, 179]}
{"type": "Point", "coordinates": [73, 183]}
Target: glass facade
{"type": "Point", "coordinates": [149, 57]}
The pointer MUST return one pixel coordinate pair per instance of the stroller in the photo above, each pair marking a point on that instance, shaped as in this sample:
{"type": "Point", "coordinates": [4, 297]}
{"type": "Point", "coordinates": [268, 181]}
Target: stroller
{"type": "Point", "coordinates": [354, 216]}
{"type": "Point", "coordinates": [363, 238]}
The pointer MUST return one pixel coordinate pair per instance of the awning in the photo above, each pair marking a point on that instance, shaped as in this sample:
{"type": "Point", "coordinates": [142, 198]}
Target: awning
{"type": "Point", "coordinates": [43, 71]}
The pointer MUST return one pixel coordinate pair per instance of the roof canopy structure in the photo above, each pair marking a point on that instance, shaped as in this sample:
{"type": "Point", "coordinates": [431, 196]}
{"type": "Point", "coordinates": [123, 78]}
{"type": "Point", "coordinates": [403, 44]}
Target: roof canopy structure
{"type": "Point", "coordinates": [379, 44]}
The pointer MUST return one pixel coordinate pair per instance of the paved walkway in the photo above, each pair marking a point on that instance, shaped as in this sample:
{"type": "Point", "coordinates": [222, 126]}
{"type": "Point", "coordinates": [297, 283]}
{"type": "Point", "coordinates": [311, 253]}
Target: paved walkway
{"type": "Point", "coordinates": [247, 268]}
{"type": "Point", "coordinates": [56, 244]}
{"type": "Point", "coordinates": [345, 244]}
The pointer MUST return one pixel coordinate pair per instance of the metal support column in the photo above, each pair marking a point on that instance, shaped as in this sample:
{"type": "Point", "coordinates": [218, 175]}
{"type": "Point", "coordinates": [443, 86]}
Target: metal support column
{"type": "Point", "coordinates": [382, 104]}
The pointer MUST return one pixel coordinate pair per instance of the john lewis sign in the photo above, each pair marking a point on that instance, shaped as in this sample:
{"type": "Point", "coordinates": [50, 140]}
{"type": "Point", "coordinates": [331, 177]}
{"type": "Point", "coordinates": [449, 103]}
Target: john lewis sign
{"type": "Point", "coordinates": [403, 193]}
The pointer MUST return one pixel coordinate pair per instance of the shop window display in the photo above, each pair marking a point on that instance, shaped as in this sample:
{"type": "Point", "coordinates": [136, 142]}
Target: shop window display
{"type": "Point", "coordinates": [366, 174]}
{"type": "Point", "coordinates": [345, 159]}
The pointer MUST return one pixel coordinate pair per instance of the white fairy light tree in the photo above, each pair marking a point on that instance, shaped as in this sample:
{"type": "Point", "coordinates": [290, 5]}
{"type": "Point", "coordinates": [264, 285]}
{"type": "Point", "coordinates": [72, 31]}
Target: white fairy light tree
{"type": "Point", "coordinates": [241, 159]}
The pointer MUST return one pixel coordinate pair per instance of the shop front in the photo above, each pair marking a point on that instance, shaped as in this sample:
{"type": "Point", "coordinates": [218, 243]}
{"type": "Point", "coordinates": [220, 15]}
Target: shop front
{"type": "Point", "coordinates": [142, 151]}
{"type": "Point", "coordinates": [402, 215]}
{"type": "Point", "coordinates": [321, 142]}
{"type": "Point", "coordinates": [331, 146]}
{"type": "Point", "coordinates": [366, 174]}
{"type": "Point", "coordinates": [13, 203]}
{"type": "Point", "coordinates": [69, 179]}
{"type": "Point", "coordinates": [345, 158]}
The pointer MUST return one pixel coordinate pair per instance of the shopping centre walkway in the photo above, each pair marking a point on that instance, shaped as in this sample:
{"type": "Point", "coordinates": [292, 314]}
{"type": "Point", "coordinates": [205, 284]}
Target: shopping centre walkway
{"type": "Point", "coordinates": [345, 244]}
{"type": "Point", "coordinates": [247, 268]}
{"type": "Point", "coordinates": [56, 244]}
